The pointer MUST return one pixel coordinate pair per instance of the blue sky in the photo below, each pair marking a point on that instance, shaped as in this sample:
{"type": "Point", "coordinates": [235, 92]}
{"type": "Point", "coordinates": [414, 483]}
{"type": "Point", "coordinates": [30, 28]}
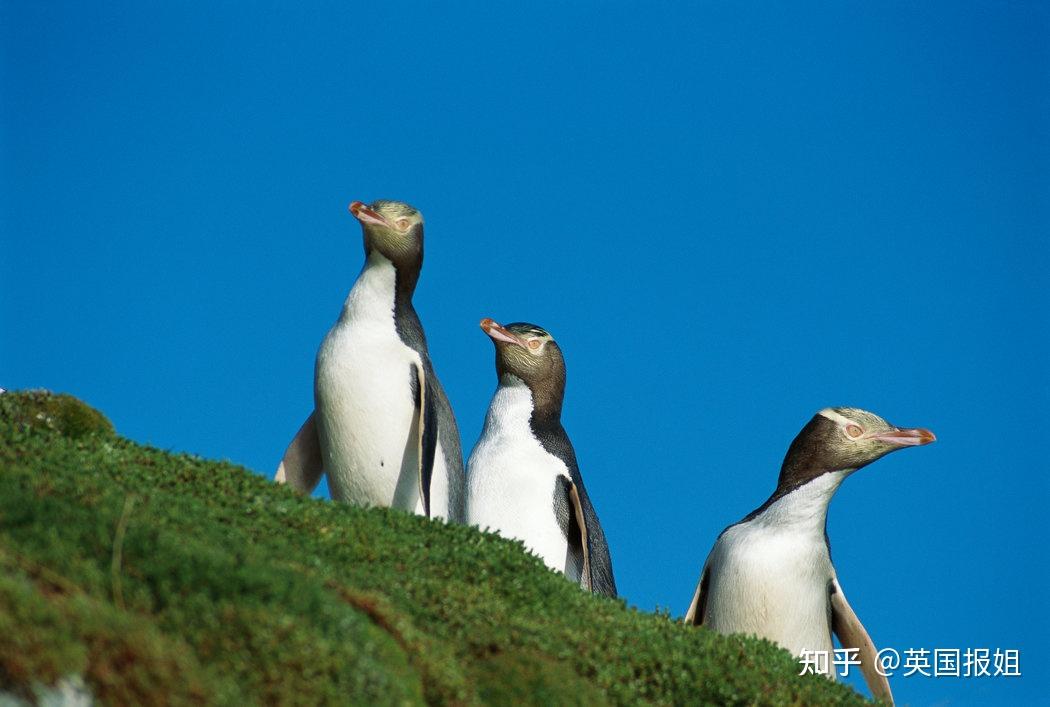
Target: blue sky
{"type": "Point", "coordinates": [729, 215]}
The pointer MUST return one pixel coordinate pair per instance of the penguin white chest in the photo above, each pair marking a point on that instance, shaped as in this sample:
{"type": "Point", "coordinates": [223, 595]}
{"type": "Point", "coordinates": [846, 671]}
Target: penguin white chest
{"type": "Point", "coordinates": [772, 583]}
{"type": "Point", "coordinates": [512, 480]}
{"type": "Point", "coordinates": [770, 575]}
{"type": "Point", "coordinates": [364, 394]}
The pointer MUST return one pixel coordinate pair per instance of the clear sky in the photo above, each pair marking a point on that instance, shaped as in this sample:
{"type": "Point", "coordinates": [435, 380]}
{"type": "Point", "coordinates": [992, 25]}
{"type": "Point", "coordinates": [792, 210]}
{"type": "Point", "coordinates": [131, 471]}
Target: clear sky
{"type": "Point", "coordinates": [729, 215]}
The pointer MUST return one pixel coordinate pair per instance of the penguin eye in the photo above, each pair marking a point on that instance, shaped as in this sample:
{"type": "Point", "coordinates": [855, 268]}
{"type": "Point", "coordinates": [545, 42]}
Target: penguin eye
{"type": "Point", "coordinates": [854, 431]}
{"type": "Point", "coordinates": [534, 344]}
{"type": "Point", "coordinates": [402, 224]}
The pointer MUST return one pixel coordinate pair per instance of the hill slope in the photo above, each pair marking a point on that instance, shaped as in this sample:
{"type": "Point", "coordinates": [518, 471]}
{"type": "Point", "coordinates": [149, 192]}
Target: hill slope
{"type": "Point", "coordinates": [148, 577]}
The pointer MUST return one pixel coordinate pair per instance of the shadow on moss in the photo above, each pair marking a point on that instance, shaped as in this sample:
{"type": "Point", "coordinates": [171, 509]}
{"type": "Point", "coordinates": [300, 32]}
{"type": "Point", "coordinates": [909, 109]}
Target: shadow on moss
{"type": "Point", "coordinates": [522, 677]}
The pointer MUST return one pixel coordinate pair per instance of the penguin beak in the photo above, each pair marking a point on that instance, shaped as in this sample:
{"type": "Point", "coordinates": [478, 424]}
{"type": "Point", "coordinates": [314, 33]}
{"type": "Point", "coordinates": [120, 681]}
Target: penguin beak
{"type": "Point", "coordinates": [906, 437]}
{"type": "Point", "coordinates": [498, 333]}
{"type": "Point", "coordinates": [366, 215]}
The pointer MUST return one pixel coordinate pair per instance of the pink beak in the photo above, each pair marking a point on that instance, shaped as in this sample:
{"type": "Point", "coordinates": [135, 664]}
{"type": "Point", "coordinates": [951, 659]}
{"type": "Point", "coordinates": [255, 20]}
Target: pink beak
{"type": "Point", "coordinates": [366, 215]}
{"type": "Point", "coordinates": [906, 437]}
{"type": "Point", "coordinates": [498, 333]}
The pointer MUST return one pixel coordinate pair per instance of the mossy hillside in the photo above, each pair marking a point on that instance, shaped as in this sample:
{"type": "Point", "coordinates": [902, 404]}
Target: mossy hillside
{"type": "Point", "coordinates": [170, 579]}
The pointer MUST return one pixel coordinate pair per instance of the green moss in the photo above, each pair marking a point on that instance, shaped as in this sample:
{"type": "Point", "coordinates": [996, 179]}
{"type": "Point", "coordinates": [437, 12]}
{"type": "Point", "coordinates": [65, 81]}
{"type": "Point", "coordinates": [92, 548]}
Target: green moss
{"type": "Point", "coordinates": [226, 588]}
{"type": "Point", "coordinates": [49, 629]}
{"type": "Point", "coordinates": [44, 411]}
{"type": "Point", "coordinates": [529, 678]}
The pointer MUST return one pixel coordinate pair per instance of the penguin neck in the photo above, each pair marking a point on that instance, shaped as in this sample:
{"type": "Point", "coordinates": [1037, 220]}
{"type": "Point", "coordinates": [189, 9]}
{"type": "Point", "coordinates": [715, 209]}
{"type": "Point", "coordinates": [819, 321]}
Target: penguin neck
{"type": "Point", "coordinates": [383, 293]}
{"type": "Point", "coordinates": [546, 403]}
{"type": "Point", "coordinates": [809, 476]}
{"type": "Point", "coordinates": [406, 271]}
{"type": "Point", "coordinates": [801, 508]}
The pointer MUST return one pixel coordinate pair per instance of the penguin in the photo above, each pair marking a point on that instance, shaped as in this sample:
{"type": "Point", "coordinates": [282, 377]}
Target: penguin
{"type": "Point", "coordinates": [522, 477]}
{"type": "Point", "coordinates": [382, 428]}
{"type": "Point", "coordinates": [770, 574]}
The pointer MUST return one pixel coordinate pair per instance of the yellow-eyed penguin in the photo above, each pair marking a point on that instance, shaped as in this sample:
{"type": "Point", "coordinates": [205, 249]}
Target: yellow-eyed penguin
{"type": "Point", "coordinates": [522, 478]}
{"type": "Point", "coordinates": [771, 574]}
{"type": "Point", "coordinates": [382, 428]}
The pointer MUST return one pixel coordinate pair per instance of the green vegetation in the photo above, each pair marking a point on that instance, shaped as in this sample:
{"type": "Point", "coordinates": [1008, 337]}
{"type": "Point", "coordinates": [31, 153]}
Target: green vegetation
{"type": "Point", "coordinates": [166, 579]}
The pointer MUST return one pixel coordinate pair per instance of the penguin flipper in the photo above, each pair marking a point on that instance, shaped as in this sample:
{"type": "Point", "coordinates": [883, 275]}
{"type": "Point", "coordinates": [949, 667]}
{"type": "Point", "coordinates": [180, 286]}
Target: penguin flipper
{"type": "Point", "coordinates": [586, 580]}
{"type": "Point", "coordinates": [695, 615]}
{"type": "Point", "coordinates": [851, 633]}
{"type": "Point", "coordinates": [574, 524]}
{"type": "Point", "coordinates": [301, 467]}
{"type": "Point", "coordinates": [427, 433]}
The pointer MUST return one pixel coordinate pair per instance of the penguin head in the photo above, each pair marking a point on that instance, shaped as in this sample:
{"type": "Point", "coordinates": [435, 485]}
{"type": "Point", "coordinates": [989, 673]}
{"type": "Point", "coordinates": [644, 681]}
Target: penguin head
{"type": "Point", "coordinates": [392, 228]}
{"type": "Point", "coordinates": [845, 439]}
{"type": "Point", "coordinates": [530, 354]}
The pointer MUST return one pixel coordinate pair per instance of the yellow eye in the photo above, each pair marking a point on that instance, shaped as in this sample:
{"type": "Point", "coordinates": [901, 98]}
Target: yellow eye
{"type": "Point", "coordinates": [402, 224]}
{"type": "Point", "coordinates": [854, 431]}
{"type": "Point", "coordinates": [534, 344]}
